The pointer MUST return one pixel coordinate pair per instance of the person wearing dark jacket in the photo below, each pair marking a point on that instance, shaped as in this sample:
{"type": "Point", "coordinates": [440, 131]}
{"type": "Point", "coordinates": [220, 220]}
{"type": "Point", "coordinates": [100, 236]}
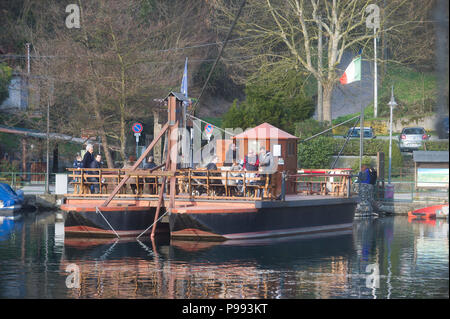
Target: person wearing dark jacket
{"type": "Point", "coordinates": [251, 161]}
{"type": "Point", "coordinates": [364, 175]}
{"type": "Point", "coordinates": [77, 164]}
{"type": "Point", "coordinates": [97, 163]}
{"type": "Point", "coordinates": [88, 157]}
{"type": "Point", "coordinates": [212, 165]}
{"type": "Point", "coordinates": [150, 163]}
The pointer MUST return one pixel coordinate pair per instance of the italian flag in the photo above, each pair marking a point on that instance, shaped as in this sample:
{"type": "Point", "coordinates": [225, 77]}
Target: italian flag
{"type": "Point", "coordinates": [352, 73]}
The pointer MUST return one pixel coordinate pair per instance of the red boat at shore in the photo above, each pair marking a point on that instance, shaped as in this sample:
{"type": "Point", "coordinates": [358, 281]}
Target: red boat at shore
{"type": "Point", "coordinates": [431, 212]}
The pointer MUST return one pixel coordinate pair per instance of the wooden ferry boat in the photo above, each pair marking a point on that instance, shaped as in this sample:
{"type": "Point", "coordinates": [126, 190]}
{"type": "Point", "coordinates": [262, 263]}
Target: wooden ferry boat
{"type": "Point", "coordinates": [212, 204]}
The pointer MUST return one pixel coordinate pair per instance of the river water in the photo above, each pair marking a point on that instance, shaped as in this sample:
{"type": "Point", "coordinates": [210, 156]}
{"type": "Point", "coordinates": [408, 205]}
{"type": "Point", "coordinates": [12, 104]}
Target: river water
{"type": "Point", "coordinates": [384, 258]}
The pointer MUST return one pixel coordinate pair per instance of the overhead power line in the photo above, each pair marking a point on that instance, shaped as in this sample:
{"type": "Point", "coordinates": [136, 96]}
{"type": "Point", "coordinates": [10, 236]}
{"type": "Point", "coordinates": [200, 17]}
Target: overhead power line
{"type": "Point", "coordinates": [219, 55]}
{"type": "Point", "coordinates": [195, 46]}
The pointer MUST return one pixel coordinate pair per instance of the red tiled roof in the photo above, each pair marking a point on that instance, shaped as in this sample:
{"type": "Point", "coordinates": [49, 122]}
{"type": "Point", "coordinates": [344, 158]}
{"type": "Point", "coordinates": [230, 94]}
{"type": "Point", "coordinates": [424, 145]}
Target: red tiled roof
{"type": "Point", "coordinates": [265, 131]}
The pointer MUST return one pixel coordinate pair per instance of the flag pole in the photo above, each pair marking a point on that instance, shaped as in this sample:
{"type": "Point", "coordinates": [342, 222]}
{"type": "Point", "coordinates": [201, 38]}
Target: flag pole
{"type": "Point", "coordinates": [361, 124]}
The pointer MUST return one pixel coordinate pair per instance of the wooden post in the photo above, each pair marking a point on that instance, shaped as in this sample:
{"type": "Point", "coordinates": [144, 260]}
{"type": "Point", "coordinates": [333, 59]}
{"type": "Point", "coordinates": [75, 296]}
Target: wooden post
{"type": "Point", "coordinates": [138, 162]}
{"type": "Point", "coordinates": [158, 208]}
{"type": "Point", "coordinates": [157, 153]}
{"type": "Point", "coordinates": [24, 158]}
{"type": "Point", "coordinates": [189, 184]}
{"type": "Point", "coordinates": [171, 160]}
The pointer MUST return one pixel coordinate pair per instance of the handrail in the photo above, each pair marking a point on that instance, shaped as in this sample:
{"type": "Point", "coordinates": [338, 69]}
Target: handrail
{"type": "Point", "coordinates": [194, 183]}
{"type": "Point", "coordinates": [203, 183]}
{"type": "Point", "coordinates": [335, 184]}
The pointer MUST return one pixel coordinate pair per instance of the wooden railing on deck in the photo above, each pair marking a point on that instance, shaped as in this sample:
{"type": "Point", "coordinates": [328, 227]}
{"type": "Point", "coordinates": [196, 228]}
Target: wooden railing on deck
{"type": "Point", "coordinates": [335, 184]}
{"type": "Point", "coordinates": [199, 183]}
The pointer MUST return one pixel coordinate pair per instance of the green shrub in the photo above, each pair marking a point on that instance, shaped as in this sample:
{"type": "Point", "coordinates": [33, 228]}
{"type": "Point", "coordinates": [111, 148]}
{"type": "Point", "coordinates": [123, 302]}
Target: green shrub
{"type": "Point", "coordinates": [309, 127]}
{"type": "Point", "coordinates": [397, 158]}
{"type": "Point", "coordinates": [316, 153]}
{"type": "Point", "coordinates": [370, 147]}
{"type": "Point", "coordinates": [366, 160]}
{"type": "Point", "coordinates": [435, 146]}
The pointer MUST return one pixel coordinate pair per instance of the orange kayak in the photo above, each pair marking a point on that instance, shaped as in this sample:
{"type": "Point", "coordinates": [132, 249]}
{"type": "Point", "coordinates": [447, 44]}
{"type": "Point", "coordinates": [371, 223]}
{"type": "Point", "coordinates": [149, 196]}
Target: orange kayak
{"type": "Point", "coordinates": [436, 211]}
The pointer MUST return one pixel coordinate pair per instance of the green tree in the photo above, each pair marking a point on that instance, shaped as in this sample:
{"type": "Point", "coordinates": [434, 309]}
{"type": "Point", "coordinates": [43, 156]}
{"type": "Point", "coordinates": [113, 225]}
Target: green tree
{"type": "Point", "coordinates": [5, 78]}
{"type": "Point", "coordinates": [275, 98]}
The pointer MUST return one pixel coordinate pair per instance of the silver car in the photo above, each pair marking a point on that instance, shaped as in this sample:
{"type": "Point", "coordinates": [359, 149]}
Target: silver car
{"type": "Point", "coordinates": [412, 138]}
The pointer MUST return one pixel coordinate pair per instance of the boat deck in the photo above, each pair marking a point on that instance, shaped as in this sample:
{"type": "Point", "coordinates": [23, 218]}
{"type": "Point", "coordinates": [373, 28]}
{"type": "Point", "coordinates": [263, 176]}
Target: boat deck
{"type": "Point", "coordinates": [220, 205]}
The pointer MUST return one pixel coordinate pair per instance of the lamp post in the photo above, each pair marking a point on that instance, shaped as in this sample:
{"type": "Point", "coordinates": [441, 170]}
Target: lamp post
{"type": "Point", "coordinates": [391, 104]}
{"type": "Point", "coordinates": [373, 22]}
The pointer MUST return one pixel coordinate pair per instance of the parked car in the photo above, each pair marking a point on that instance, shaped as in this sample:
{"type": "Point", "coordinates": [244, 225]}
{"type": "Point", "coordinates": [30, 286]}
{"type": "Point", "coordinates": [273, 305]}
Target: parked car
{"type": "Point", "coordinates": [353, 132]}
{"type": "Point", "coordinates": [446, 127]}
{"type": "Point", "coordinates": [443, 128]}
{"type": "Point", "coordinates": [412, 138]}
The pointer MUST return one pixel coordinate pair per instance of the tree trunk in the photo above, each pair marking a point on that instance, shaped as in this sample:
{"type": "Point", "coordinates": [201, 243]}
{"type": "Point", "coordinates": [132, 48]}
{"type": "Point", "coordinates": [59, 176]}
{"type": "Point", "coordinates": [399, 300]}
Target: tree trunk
{"type": "Point", "coordinates": [109, 160]}
{"type": "Point", "coordinates": [326, 100]}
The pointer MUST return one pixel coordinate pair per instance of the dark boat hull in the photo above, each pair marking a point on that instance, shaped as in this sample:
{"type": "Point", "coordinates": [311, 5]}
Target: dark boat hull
{"type": "Point", "coordinates": [122, 221]}
{"type": "Point", "coordinates": [268, 220]}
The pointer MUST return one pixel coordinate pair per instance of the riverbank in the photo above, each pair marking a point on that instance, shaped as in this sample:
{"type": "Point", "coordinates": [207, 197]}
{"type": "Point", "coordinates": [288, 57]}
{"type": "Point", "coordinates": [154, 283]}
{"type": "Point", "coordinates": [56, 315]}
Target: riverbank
{"type": "Point", "coordinates": [45, 202]}
{"type": "Point", "coordinates": [402, 208]}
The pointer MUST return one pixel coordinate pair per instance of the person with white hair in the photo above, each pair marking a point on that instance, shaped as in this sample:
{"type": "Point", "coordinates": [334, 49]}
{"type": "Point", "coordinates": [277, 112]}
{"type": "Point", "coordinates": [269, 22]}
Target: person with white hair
{"type": "Point", "coordinates": [88, 157]}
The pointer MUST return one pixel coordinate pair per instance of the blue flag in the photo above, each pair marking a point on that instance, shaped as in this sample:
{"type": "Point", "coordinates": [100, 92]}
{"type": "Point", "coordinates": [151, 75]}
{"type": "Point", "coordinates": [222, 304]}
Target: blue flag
{"type": "Point", "coordinates": [184, 81]}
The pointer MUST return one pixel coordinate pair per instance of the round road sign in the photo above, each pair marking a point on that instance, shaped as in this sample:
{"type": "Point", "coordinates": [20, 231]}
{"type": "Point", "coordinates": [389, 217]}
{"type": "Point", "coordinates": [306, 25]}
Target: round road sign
{"type": "Point", "coordinates": [208, 128]}
{"type": "Point", "coordinates": [137, 127]}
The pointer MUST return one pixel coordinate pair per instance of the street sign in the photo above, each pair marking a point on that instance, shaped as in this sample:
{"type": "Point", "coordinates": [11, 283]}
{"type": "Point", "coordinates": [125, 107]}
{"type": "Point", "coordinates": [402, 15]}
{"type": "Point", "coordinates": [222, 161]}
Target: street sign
{"type": "Point", "coordinates": [137, 127]}
{"type": "Point", "coordinates": [208, 130]}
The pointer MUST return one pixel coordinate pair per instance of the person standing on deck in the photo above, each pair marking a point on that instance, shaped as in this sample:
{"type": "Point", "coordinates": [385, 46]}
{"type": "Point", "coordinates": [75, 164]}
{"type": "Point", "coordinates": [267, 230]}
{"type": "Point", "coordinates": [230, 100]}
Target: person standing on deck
{"type": "Point", "coordinates": [265, 162]}
{"type": "Point", "coordinates": [88, 157]}
{"type": "Point", "coordinates": [97, 163]}
{"type": "Point", "coordinates": [150, 163]}
{"type": "Point", "coordinates": [231, 155]}
{"type": "Point", "coordinates": [77, 164]}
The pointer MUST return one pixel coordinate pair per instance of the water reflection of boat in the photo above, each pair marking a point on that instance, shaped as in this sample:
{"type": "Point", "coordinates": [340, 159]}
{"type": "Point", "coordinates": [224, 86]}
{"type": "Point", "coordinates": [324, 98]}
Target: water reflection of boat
{"type": "Point", "coordinates": [288, 248]}
{"type": "Point", "coordinates": [261, 252]}
{"type": "Point", "coordinates": [7, 226]}
{"type": "Point", "coordinates": [95, 248]}
{"type": "Point", "coordinates": [421, 220]}
{"type": "Point", "coordinates": [133, 269]}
